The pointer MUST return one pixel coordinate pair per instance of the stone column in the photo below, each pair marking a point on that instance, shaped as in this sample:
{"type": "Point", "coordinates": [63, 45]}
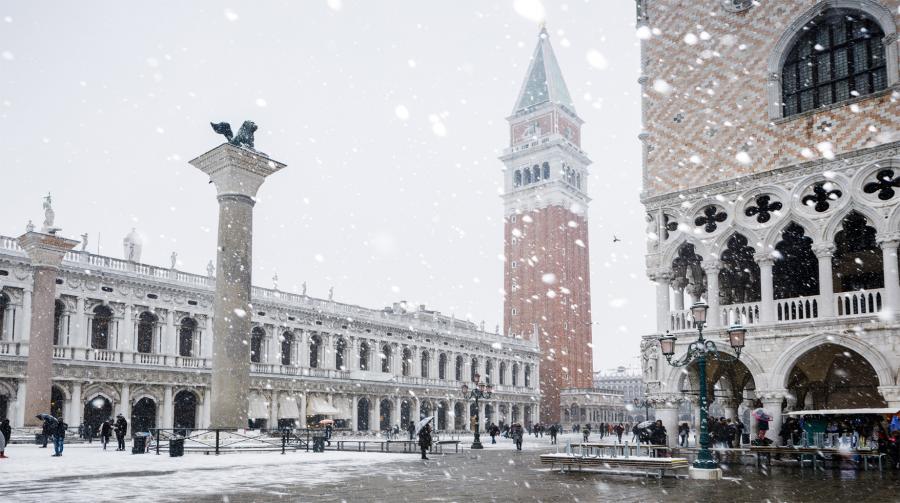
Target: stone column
{"type": "Point", "coordinates": [679, 285]}
{"type": "Point", "coordinates": [205, 413]}
{"type": "Point", "coordinates": [80, 339]}
{"type": "Point", "coordinates": [354, 414]}
{"type": "Point", "coordinates": [714, 315]}
{"type": "Point", "coordinates": [891, 306]}
{"type": "Point", "coordinates": [395, 412]}
{"type": "Point", "coordinates": [28, 310]}
{"type": "Point", "coordinates": [273, 410]}
{"type": "Point", "coordinates": [375, 414]}
{"type": "Point", "coordinates": [301, 402]}
{"type": "Point", "coordinates": [662, 280]}
{"type": "Point", "coordinates": [171, 342]}
{"type": "Point", "coordinates": [772, 405]}
{"type": "Point", "coordinates": [237, 173]}
{"type": "Point", "coordinates": [766, 288]}
{"type": "Point", "coordinates": [667, 412]}
{"type": "Point", "coordinates": [125, 339]}
{"type": "Point", "coordinates": [824, 252]}
{"type": "Point", "coordinates": [46, 252]}
{"type": "Point", "coordinates": [77, 406]}
{"type": "Point", "coordinates": [168, 408]}
{"type": "Point", "coordinates": [125, 402]}
{"type": "Point", "coordinates": [21, 392]}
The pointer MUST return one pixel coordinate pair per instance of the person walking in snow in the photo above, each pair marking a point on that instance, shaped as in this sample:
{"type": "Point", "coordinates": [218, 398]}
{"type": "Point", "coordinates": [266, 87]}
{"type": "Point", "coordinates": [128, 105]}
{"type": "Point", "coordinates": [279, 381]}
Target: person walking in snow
{"type": "Point", "coordinates": [425, 440]}
{"type": "Point", "coordinates": [5, 437]}
{"type": "Point", "coordinates": [553, 432]}
{"type": "Point", "coordinates": [121, 429]}
{"type": "Point", "coordinates": [105, 432]}
{"type": "Point", "coordinates": [516, 433]}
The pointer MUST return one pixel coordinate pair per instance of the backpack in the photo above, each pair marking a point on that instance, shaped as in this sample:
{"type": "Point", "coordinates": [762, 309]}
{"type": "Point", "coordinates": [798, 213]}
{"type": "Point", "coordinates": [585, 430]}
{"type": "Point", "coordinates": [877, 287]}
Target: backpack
{"type": "Point", "coordinates": [61, 429]}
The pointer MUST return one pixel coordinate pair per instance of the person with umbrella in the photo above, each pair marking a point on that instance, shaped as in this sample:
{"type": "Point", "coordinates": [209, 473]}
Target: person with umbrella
{"type": "Point", "coordinates": [121, 428]}
{"type": "Point", "coordinates": [57, 430]}
{"type": "Point", "coordinates": [423, 430]}
{"type": "Point", "coordinates": [762, 424]}
{"type": "Point", "coordinates": [516, 432]}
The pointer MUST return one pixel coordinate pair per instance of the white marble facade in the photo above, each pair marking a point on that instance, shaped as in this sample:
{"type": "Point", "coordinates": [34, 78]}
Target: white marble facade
{"type": "Point", "coordinates": [137, 339]}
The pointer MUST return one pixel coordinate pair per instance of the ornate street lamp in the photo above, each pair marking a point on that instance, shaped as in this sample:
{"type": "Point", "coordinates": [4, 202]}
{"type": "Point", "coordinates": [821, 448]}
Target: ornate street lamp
{"type": "Point", "coordinates": [478, 392]}
{"type": "Point", "coordinates": [698, 351]}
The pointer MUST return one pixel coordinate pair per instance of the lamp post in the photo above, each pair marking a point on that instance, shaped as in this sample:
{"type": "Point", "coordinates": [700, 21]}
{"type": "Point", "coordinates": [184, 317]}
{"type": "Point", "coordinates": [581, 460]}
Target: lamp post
{"type": "Point", "coordinates": [643, 402]}
{"type": "Point", "coordinates": [478, 392]}
{"type": "Point", "coordinates": [698, 351]}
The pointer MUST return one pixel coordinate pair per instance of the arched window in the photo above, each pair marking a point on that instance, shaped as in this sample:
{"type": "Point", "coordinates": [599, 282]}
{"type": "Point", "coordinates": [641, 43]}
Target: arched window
{"type": "Point", "coordinates": [315, 344]}
{"type": "Point", "coordinates": [578, 180]}
{"type": "Point", "coordinates": [526, 175]}
{"type": "Point", "coordinates": [186, 337]}
{"type": "Point", "coordinates": [546, 168]}
{"type": "Point", "coordinates": [515, 374]}
{"type": "Point", "coordinates": [474, 369]}
{"type": "Point", "coordinates": [364, 356]}
{"type": "Point", "coordinates": [407, 362]}
{"type": "Point", "coordinates": [100, 328]}
{"type": "Point", "coordinates": [838, 56]}
{"type": "Point", "coordinates": [796, 271]}
{"type": "Point", "coordinates": [340, 350]}
{"type": "Point", "coordinates": [488, 371]}
{"type": "Point", "coordinates": [426, 359]}
{"type": "Point", "coordinates": [442, 366]}
{"type": "Point", "coordinates": [386, 358]}
{"type": "Point", "coordinates": [517, 179]}
{"type": "Point", "coordinates": [287, 348]}
{"type": "Point", "coordinates": [527, 376]}
{"type": "Point", "coordinates": [536, 173]}
{"type": "Point", "coordinates": [857, 261]}
{"type": "Point", "coordinates": [146, 324]}
{"type": "Point", "coordinates": [59, 310]}
{"type": "Point", "coordinates": [739, 281]}
{"type": "Point", "coordinates": [502, 377]}
{"type": "Point", "coordinates": [459, 367]}
{"type": "Point", "coordinates": [256, 344]}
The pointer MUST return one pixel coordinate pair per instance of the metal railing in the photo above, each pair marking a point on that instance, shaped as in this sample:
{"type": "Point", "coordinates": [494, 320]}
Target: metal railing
{"type": "Point", "coordinates": [224, 440]}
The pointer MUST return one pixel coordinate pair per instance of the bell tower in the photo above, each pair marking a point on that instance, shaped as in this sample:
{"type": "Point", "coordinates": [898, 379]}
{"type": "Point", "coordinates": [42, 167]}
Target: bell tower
{"type": "Point", "coordinates": [547, 273]}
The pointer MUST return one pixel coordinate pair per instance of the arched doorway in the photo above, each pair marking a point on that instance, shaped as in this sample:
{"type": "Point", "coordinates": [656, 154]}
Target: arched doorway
{"type": "Point", "coordinates": [405, 414]}
{"type": "Point", "coordinates": [97, 410]}
{"type": "Point", "coordinates": [146, 325]}
{"type": "Point", "coordinates": [186, 337]}
{"type": "Point", "coordinates": [143, 415]}
{"type": "Point", "coordinates": [362, 414]}
{"type": "Point", "coordinates": [441, 418]}
{"type": "Point", "coordinates": [384, 419]}
{"type": "Point", "coordinates": [185, 410]}
{"type": "Point", "coordinates": [100, 327]}
{"type": "Point", "coordinates": [831, 376]}
{"type": "Point", "coordinates": [488, 413]}
{"type": "Point", "coordinates": [424, 410]}
{"type": "Point", "coordinates": [57, 400]}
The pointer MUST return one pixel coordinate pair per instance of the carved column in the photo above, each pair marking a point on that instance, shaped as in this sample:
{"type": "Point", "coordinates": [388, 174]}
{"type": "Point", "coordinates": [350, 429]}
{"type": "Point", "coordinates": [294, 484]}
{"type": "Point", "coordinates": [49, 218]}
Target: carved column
{"type": "Point", "coordinates": [824, 252]}
{"type": "Point", "coordinates": [662, 279]}
{"type": "Point", "coordinates": [46, 252]}
{"type": "Point", "coordinates": [77, 406]}
{"type": "Point", "coordinates": [714, 317]}
{"type": "Point", "coordinates": [237, 174]}
{"type": "Point", "coordinates": [766, 287]}
{"type": "Point", "coordinates": [666, 407]}
{"type": "Point", "coordinates": [168, 408]}
{"type": "Point", "coordinates": [889, 245]}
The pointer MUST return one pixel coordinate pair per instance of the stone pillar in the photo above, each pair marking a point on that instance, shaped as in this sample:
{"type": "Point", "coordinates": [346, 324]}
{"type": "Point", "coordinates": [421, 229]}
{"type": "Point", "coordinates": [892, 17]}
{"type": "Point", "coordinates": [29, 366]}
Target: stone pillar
{"type": "Point", "coordinates": [395, 412]}
{"type": "Point", "coordinates": [125, 401]}
{"type": "Point", "coordinates": [891, 306]}
{"type": "Point", "coordinates": [46, 252]}
{"type": "Point", "coordinates": [205, 413]}
{"type": "Point", "coordinates": [77, 406]}
{"type": "Point", "coordinates": [891, 395]}
{"type": "Point", "coordinates": [772, 405]}
{"type": "Point", "coordinates": [273, 410]}
{"type": "Point", "coordinates": [824, 252]}
{"type": "Point", "coordinates": [21, 392]}
{"type": "Point", "coordinates": [171, 334]}
{"type": "Point", "coordinates": [662, 280]}
{"type": "Point", "coordinates": [126, 342]}
{"type": "Point", "coordinates": [667, 412]}
{"type": "Point", "coordinates": [28, 310]}
{"type": "Point", "coordinates": [237, 174]}
{"type": "Point", "coordinates": [354, 414]}
{"type": "Point", "coordinates": [714, 315]}
{"type": "Point", "coordinates": [766, 288]}
{"type": "Point", "coordinates": [374, 414]}
{"type": "Point", "coordinates": [80, 339]}
{"type": "Point", "coordinates": [168, 408]}
{"type": "Point", "coordinates": [679, 285]}
{"type": "Point", "coordinates": [301, 402]}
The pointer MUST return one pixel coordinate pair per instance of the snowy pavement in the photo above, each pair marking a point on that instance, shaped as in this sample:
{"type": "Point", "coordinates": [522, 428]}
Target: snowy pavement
{"type": "Point", "coordinates": [87, 473]}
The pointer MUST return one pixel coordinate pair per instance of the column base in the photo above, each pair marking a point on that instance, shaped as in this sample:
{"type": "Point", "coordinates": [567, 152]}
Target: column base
{"type": "Point", "coordinates": [705, 473]}
{"type": "Point", "coordinates": [477, 445]}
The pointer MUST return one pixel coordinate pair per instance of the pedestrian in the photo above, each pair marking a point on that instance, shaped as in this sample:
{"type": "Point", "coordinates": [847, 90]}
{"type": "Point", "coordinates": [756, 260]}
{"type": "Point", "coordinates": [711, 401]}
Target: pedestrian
{"type": "Point", "coordinates": [105, 432]}
{"type": "Point", "coordinates": [58, 431]}
{"type": "Point", "coordinates": [493, 431]}
{"type": "Point", "coordinates": [45, 433]}
{"type": "Point", "coordinates": [619, 429]}
{"type": "Point", "coordinates": [683, 431]}
{"type": "Point", "coordinates": [5, 437]}
{"type": "Point", "coordinates": [425, 440]}
{"type": "Point", "coordinates": [89, 432]}
{"type": "Point", "coordinates": [121, 430]}
{"type": "Point", "coordinates": [585, 433]}
{"type": "Point", "coordinates": [411, 429]}
{"type": "Point", "coordinates": [658, 433]}
{"type": "Point", "coordinates": [516, 433]}
{"type": "Point", "coordinates": [553, 432]}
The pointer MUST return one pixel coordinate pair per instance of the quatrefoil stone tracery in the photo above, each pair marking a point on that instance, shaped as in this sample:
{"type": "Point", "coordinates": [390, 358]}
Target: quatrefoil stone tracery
{"type": "Point", "coordinates": [884, 185]}
{"type": "Point", "coordinates": [711, 217]}
{"type": "Point", "coordinates": [764, 209]}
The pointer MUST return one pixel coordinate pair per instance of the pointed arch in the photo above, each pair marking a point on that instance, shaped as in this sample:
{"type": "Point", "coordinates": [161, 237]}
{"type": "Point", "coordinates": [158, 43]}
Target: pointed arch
{"type": "Point", "coordinates": [675, 245]}
{"type": "Point", "coordinates": [873, 219]}
{"type": "Point", "coordinates": [774, 235]}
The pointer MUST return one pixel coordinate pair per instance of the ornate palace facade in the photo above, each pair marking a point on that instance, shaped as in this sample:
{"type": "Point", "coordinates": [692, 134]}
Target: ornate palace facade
{"type": "Point", "coordinates": [137, 339]}
{"type": "Point", "coordinates": [772, 189]}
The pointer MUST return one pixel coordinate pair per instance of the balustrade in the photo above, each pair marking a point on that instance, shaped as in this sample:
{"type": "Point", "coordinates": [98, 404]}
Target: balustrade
{"type": "Point", "coordinates": [861, 302]}
{"type": "Point", "coordinates": [743, 314]}
{"type": "Point", "coordinates": [105, 355]}
{"type": "Point", "coordinates": [149, 359]}
{"type": "Point", "coordinates": [60, 352]}
{"type": "Point", "coordinates": [681, 320]}
{"type": "Point", "coordinates": [188, 362]}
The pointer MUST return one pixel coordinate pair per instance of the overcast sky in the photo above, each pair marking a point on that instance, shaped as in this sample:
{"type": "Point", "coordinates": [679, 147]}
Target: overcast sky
{"type": "Point", "coordinates": [389, 114]}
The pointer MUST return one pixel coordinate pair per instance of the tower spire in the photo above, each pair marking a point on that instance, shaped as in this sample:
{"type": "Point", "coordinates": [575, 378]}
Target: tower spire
{"type": "Point", "coordinates": [544, 82]}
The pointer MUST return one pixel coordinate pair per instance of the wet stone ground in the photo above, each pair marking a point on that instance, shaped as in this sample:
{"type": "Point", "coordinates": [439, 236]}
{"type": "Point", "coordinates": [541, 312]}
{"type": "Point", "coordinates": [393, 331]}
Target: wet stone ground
{"type": "Point", "coordinates": [505, 475]}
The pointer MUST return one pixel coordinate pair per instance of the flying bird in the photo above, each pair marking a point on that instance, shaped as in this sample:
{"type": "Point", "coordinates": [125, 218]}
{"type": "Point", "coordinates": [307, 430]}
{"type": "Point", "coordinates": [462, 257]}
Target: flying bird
{"type": "Point", "coordinates": [615, 239]}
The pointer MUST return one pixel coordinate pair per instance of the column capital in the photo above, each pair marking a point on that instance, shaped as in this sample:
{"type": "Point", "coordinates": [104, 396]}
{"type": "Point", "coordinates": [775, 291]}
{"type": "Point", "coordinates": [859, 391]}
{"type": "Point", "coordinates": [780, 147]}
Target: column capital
{"type": "Point", "coordinates": [236, 171]}
{"type": "Point", "coordinates": [891, 394]}
{"type": "Point", "coordinates": [661, 275]}
{"type": "Point", "coordinates": [45, 250]}
{"type": "Point", "coordinates": [712, 265]}
{"type": "Point", "coordinates": [823, 250]}
{"type": "Point", "coordinates": [771, 396]}
{"type": "Point", "coordinates": [888, 239]}
{"type": "Point", "coordinates": [764, 258]}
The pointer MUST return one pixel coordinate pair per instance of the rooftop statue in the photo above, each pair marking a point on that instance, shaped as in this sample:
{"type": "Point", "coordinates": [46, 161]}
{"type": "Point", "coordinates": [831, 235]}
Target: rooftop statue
{"type": "Point", "coordinates": [244, 137]}
{"type": "Point", "coordinates": [49, 216]}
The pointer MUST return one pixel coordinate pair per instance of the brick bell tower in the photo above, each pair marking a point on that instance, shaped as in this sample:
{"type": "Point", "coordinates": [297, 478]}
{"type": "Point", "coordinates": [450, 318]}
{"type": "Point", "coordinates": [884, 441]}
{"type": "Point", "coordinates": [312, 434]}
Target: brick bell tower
{"type": "Point", "coordinates": [547, 274]}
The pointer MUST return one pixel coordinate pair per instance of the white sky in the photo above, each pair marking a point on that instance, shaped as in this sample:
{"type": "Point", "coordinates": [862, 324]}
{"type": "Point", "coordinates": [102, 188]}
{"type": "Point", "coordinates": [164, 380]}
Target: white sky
{"type": "Point", "coordinates": [103, 104]}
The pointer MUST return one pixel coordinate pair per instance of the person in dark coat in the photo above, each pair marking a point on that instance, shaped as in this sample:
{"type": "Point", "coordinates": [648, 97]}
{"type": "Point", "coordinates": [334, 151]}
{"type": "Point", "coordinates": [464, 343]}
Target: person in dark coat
{"type": "Point", "coordinates": [105, 432]}
{"type": "Point", "coordinates": [46, 431]}
{"type": "Point", "coordinates": [658, 433]}
{"type": "Point", "coordinates": [553, 432]}
{"type": "Point", "coordinates": [57, 429]}
{"type": "Point", "coordinates": [121, 430]}
{"type": "Point", "coordinates": [516, 433]}
{"type": "Point", "coordinates": [411, 429]}
{"type": "Point", "coordinates": [6, 433]}
{"type": "Point", "coordinates": [89, 433]}
{"type": "Point", "coordinates": [425, 440]}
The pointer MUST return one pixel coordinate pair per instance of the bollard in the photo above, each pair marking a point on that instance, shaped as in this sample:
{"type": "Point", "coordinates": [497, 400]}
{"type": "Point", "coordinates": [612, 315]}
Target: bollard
{"type": "Point", "coordinates": [283, 440]}
{"type": "Point", "coordinates": [217, 442]}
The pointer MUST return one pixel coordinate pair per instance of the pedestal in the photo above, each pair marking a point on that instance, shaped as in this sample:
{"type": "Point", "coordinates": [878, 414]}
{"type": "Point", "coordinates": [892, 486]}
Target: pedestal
{"type": "Point", "coordinates": [46, 252]}
{"type": "Point", "coordinates": [705, 473]}
{"type": "Point", "coordinates": [237, 174]}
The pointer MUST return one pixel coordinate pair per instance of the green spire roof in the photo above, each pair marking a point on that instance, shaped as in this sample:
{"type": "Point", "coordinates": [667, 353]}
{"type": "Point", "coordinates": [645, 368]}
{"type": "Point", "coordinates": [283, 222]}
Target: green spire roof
{"type": "Point", "coordinates": [544, 81]}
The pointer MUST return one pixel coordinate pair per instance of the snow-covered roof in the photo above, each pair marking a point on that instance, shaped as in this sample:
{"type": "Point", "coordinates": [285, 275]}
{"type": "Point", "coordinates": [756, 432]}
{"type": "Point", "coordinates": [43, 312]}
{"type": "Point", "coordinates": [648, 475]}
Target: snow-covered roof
{"type": "Point", "coordinates": [544, 81]}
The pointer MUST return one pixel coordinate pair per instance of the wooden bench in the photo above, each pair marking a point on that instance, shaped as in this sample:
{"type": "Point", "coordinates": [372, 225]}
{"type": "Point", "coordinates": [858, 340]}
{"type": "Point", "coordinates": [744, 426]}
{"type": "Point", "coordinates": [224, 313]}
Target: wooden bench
{"type": "Point", "coordinates": [814, 454]}
{"type": "Point", "coordinates": [644, 465]}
